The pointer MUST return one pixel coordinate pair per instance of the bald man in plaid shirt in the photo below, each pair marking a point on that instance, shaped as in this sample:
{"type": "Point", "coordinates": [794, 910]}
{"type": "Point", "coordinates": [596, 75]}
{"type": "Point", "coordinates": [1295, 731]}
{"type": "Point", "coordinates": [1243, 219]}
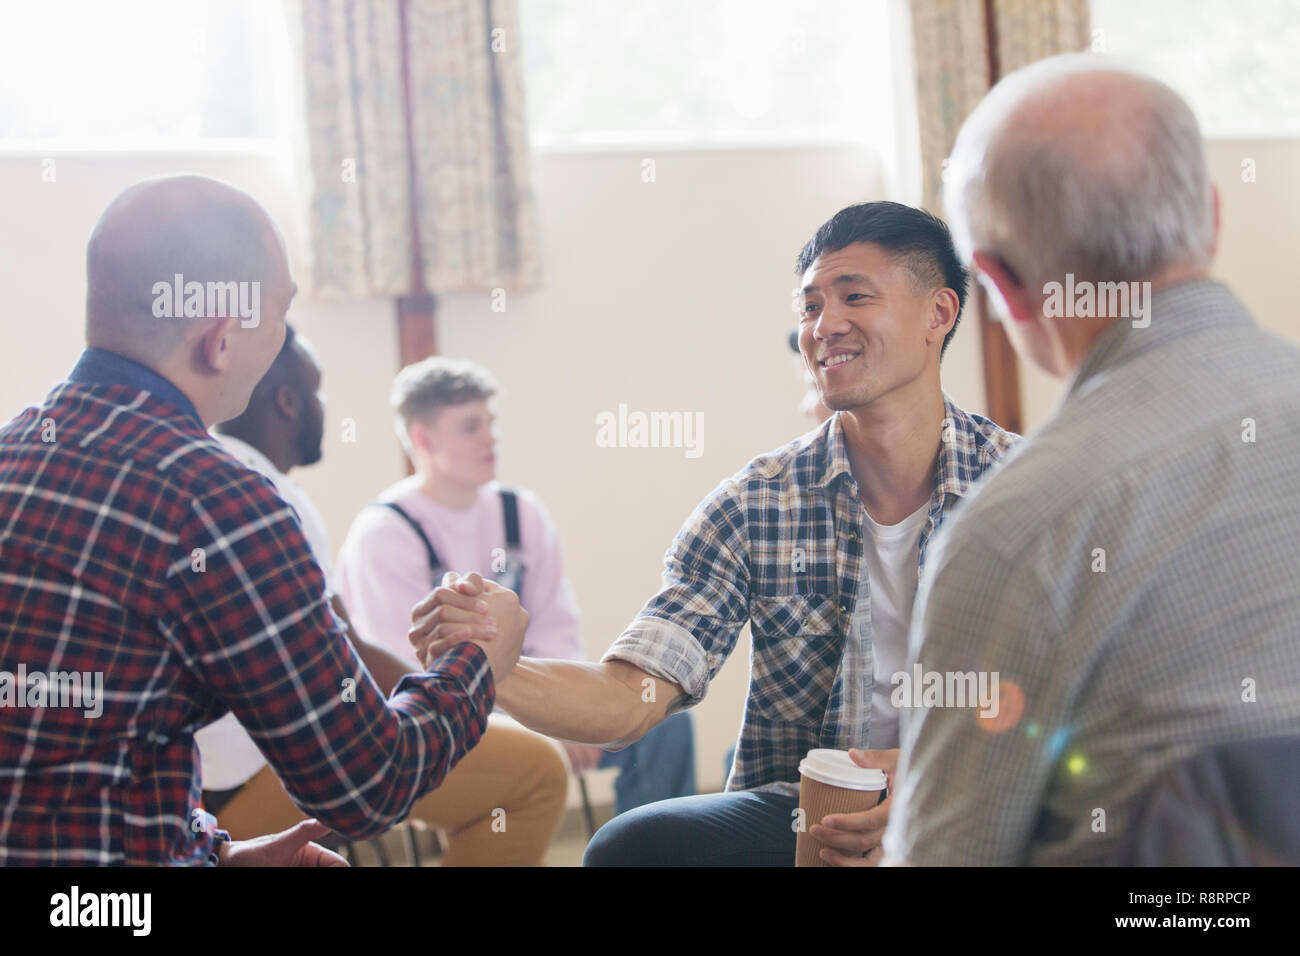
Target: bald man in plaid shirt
{"type": "Point", "coordinates": [136, 551]}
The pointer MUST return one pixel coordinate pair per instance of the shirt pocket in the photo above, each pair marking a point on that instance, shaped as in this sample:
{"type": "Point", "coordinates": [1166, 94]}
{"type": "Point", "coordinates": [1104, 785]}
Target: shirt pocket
{"type": "Point", "coordinates": [796, 651]}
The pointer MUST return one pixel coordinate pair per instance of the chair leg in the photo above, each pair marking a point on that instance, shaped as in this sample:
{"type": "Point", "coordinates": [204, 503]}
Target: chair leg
{"type": "Point", "coordinates": [412, 845]}
{"type": "Point", "coordinates": [586, 806]}
{"type": "Point", "coordinates": [377, 844]}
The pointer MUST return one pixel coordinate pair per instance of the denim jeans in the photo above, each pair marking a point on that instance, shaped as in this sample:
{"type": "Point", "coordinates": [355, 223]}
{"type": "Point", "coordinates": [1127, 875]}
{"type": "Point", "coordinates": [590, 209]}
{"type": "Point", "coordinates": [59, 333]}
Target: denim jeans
{"type": "Point", "coordinates": [739, 828]}
{"type": "Point", "coordinates": [659, 766]}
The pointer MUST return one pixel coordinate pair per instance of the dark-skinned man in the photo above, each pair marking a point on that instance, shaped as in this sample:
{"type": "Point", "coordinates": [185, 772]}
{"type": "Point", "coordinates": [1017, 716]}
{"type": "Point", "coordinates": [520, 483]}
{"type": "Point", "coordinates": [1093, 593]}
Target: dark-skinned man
{"type": "Point", "coordinates": [512, 772]}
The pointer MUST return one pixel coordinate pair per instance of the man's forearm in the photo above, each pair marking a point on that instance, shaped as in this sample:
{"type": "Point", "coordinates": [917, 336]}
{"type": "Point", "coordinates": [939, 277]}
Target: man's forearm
{"type": "Point", "coordinates": [612, 704]}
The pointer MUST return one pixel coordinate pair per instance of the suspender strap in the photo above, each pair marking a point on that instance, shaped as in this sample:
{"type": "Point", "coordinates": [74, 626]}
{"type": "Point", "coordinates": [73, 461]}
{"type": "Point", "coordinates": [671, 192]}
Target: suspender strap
{"type": "Point", "coordinates": [514, 576]}
{"type": "Point", "coordinates": [435, 565]}
{"type": "Point", "coordinates": [510, 508]}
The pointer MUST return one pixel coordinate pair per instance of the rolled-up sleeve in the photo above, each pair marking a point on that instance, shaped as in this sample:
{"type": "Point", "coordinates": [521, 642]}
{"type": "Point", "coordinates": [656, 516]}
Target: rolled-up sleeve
{"type": "Point", "coordinates": [685, 633]}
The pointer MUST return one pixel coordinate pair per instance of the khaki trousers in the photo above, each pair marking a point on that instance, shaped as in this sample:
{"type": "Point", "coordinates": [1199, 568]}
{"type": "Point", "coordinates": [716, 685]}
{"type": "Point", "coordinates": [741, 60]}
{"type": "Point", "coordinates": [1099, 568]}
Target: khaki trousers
{"type": "Point", "coordinates": [500, 806]}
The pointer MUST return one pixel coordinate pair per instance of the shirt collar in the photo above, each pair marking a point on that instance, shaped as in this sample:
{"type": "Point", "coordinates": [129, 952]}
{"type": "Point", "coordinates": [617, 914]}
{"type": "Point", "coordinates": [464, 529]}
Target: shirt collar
{"type": "Point", "coordinates": [102, 367]}
{"type": "Point", "coordinates": [950, 477]}
{"type": "Point", "coordinates": [832, 452]}
{"type": "Point", "coordinates": [958, 448]}
{"type": "Point", "coordinates": [1173, 312]}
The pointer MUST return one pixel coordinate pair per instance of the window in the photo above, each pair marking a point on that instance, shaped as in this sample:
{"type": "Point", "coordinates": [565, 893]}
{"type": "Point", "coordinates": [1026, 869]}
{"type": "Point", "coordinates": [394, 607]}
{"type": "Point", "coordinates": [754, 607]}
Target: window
{"type": "Point", "coordinates": [154, 73]}
{"type": "Point", "coordinates": [708, 72]}
{"type": "Point", "coordinates": [1237, 63]}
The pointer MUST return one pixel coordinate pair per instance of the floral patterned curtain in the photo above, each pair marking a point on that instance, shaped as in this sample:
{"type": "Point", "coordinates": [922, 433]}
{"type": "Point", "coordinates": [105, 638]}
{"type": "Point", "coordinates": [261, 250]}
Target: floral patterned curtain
{"type": "Point", "coordinates": [951, 42]}
{"type": "Point", "coordinates": [452, 214]}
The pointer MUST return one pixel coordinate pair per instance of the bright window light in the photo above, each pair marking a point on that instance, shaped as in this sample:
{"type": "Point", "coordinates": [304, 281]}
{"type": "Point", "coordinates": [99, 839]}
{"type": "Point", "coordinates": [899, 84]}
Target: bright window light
{"type": "Point", "coordinates": [707, 72]}
{"type": "Point", "coordinates": [141, 73]}
{"type": "Point", "coordinates": [1237, 63]}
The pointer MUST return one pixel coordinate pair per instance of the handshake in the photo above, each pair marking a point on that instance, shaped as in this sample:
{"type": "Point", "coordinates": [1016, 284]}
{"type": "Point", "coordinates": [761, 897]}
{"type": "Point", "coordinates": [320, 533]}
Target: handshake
{"type": "Point", "coordinates": [470, 609]}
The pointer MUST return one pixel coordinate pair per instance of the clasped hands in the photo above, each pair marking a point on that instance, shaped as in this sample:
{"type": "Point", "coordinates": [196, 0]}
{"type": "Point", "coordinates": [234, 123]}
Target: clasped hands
{"type": "Point", "coordinates": [473, 609]}
{"type": "Point", "coordinates": [463, 609]}
{"type": "Point", "coordinates": [469, 608]}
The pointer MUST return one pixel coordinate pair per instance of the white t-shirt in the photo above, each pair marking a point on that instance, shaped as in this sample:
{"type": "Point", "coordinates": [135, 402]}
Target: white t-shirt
{"type": "Point", "coordinates": [891, 555]}
{"type": "Point", "coordinates": [228, 754]}
{"type": "Point", "coordinates": [889, 576]}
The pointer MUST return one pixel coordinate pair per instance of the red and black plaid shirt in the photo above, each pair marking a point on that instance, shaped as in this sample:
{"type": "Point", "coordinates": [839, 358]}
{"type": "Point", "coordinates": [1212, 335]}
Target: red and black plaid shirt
{"type": "Point", "coordinates": [133, 545]}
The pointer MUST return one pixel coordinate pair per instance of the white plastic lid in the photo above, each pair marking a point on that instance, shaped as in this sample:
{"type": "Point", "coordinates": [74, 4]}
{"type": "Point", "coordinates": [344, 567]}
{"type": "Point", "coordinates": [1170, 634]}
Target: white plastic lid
{"type": "Point", "coordinates": [836, 768]}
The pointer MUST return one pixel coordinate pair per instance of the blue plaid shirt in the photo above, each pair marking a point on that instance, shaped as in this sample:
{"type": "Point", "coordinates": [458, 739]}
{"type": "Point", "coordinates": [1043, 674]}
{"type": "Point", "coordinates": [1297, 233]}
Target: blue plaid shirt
{"type": "Point", "coordinates": [780, 546]}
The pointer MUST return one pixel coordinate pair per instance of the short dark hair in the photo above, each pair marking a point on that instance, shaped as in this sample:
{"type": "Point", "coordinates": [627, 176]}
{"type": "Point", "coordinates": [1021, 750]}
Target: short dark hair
{"type": "Point", "coordinates": [284, 370]}
{"type": "Point", "coordinates": [282, 356]}
{"type": "Point", "coordinates": [920, 240]}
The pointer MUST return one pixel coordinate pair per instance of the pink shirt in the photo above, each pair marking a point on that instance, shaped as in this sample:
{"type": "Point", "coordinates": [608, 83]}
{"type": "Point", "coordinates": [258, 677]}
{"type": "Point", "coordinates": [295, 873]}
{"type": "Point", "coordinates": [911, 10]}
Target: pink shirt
{"type": "Point", "coordinates": [383, 568]}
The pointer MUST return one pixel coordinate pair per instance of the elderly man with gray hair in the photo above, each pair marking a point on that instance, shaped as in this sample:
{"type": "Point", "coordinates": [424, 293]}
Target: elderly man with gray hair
{"type": "Point", "coordinates": [1129, 573]}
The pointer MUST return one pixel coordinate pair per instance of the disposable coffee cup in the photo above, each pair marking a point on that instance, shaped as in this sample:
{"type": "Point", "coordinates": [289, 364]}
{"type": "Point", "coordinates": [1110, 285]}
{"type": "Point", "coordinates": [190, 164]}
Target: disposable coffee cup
{"type": "Point", "coordinates": [830, 782]}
